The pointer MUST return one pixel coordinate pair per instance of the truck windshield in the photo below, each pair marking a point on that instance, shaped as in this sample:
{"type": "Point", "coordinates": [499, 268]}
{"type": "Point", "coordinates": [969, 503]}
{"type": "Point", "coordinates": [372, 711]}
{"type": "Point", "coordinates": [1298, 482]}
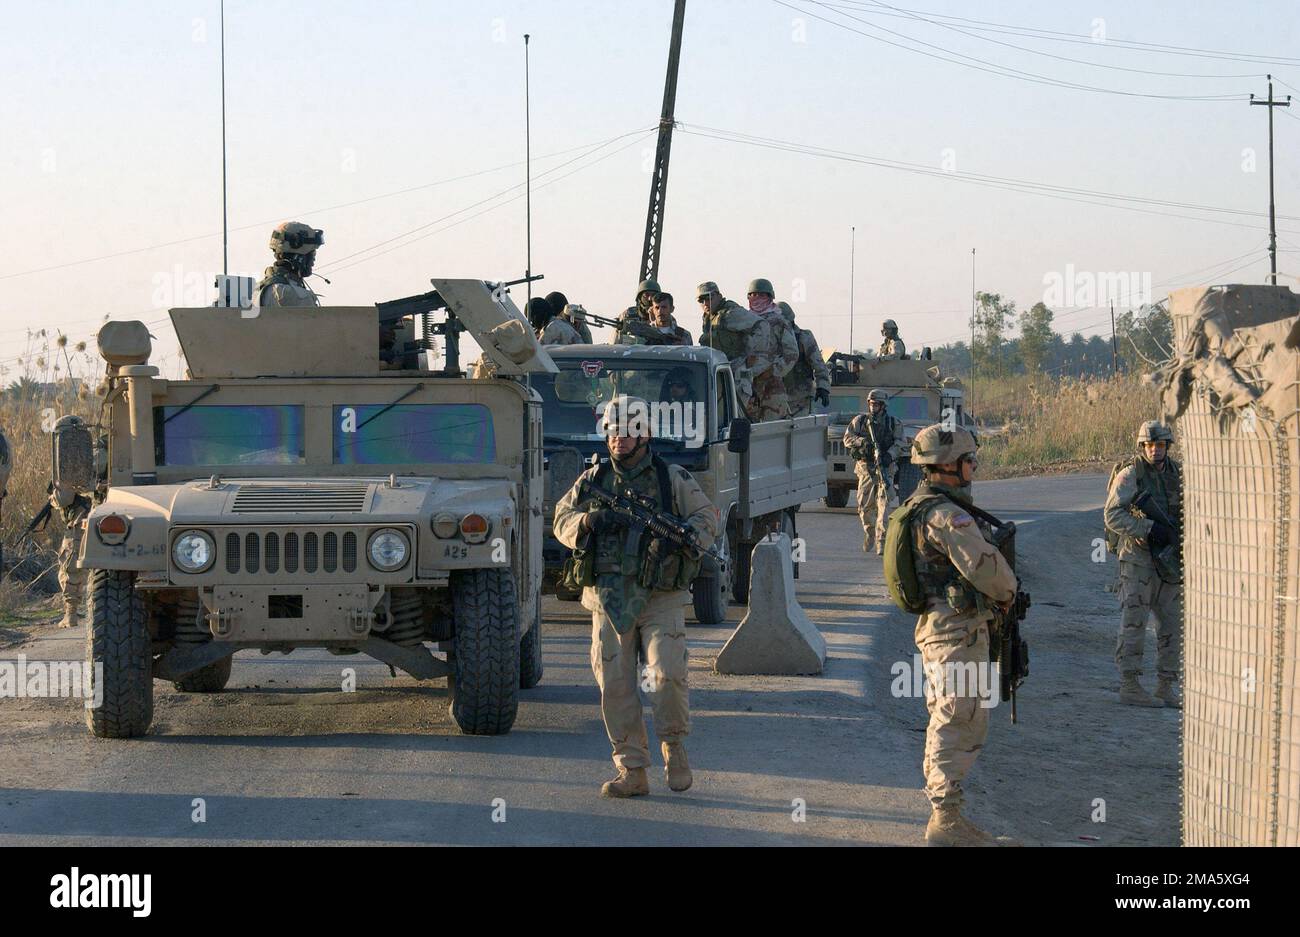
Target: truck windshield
{"type": "Point", "coordinates": [379, 434]}
{"type": "Point", "coordinates": [229, 435]}
{"type": "Point", "coordinates": [572, 400]}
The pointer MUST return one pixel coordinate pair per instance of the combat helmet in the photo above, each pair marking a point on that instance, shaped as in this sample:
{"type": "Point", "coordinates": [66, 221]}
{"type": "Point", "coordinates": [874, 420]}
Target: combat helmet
{"type": "Point", "coordinates": [878, 394]}
{"type": "Point", "coordinates": [935, 445]}
{"type": "Point", "coordinates": [626, 413]}
{"type": "Point", "coordinates": [648, 285]}
{"type": "Point", "coordinates": [294, 237]}
{"type": "Point", "coordinates": [1154, 431]}
{"type": "Point", "coordinates": [889, 325]}
{"type": "Point", "coordinates": [761, 285]}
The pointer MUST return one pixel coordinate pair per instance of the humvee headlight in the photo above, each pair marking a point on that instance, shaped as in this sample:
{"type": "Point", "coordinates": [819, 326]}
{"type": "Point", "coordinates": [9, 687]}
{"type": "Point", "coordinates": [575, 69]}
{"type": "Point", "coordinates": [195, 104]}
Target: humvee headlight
{"type": "Point", "coordinates": [474, 528]}
{"type": "Point", "coordinates": [193, 551]}
{"type": "Point", "coordinates": [388, 550]}
{"type": "Point", "coordinates": [445, 526]}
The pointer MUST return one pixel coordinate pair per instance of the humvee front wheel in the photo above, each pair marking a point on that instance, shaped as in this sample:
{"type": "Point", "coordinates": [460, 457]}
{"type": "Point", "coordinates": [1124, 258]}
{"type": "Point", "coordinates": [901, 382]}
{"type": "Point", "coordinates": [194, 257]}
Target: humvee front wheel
{"type": "Point", "coordinates": [120, 653]}
{"type": "Point", "coordinates": [530, 652]}
{"type": "Point", "coordinates": [836, 497]}
{"type": "Point", "coordinates": [485, 664]}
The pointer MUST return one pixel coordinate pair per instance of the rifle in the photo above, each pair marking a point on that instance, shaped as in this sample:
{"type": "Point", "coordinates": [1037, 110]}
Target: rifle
{"type": "Point", "coordinates": [643, 514]}
{"type": "Point", "coordinates": [1168, 559]}
{"type": "Point", "coordinates": [604, 322]}
{"type": "Point", "coordinates": [1006, 648]}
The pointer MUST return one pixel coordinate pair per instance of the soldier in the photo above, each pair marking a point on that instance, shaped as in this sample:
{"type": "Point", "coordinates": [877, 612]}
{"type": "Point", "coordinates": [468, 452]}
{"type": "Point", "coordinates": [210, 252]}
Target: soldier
{"type": "Point", "coordinates": [870, 438]}
{"type": "Point", "coordinates": [6, 466]}
{"type": "Point", "coordinates": [772, 355]}
{"type": "Point", "coordinates": [661, 317]}
{"type": "Point", "coordinates": [1148, 583]}
{"type": "Point", "coordinates": [73, 506]}
{"type": "Point", "coordinates": [809, 379]}
{"type": "Point", "coordinates": [551, 328]}
{"type": "Point", "coordinates": [960, 573]}
{"type": "Point", "coordinates": [729, 327]}
{"type": "Point", "coordinates": [571, 313]}
{"type": "Point", "coordinates": [636, 593]}
{"type": "Point", "coordinates": [892, 346]}
{"type": "Point", "coordinates": [284, 283]}
{"type": "Point", "coordinates": [645, 294]}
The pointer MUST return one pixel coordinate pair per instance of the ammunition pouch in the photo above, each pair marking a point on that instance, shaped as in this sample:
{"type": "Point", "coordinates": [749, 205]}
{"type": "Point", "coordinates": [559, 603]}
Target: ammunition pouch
{"type": "Point", "coordinates": [665, 569]}
{"type": "Point", "coordinates": [579, 570]}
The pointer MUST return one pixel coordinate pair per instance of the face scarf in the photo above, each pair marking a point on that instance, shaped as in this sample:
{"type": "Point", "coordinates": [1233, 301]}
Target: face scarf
{"type": "Point", "coordinates": [761, 303]}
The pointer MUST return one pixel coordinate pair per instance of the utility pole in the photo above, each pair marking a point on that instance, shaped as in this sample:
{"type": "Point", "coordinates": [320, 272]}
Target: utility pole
{"type": "Point", "coordinates": [1272, 211]}
{"type": "Point", "coordinates": [528, 178]}
{"type": "Point", "coordinates": [853, 233]}
{"type": "Point", "coordinates": [970, 404]}
{"type": "Point", "coordinates": [654, 222]}
{"type": "Point", "coordinates": [1114, 353]}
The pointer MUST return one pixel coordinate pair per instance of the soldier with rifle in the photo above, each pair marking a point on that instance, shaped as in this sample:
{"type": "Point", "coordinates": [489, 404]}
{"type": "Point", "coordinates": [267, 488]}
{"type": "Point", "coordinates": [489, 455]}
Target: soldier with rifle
{"type": "Point", "coordinates": [6, 466]}
{"type": "Point", "coordinates": [941, 564]}
{"type": "Point", "coordinates": [637, 528]}
{"type": "Point", "coordinates": [1144, 527]}
{"type": "Point", "coordinates": [869, 439]}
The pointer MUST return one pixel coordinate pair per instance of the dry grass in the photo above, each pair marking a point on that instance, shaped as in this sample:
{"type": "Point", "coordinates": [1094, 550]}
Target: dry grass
{"type": "Point", "coordinates": [55, 376]}
{"type": "Point", "coordinates": [1036, 424]}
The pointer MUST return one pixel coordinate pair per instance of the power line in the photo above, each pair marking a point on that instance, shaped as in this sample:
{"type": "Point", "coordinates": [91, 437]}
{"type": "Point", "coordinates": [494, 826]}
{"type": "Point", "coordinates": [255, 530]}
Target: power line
{"type": "Point", "coordinates": [993, 68]}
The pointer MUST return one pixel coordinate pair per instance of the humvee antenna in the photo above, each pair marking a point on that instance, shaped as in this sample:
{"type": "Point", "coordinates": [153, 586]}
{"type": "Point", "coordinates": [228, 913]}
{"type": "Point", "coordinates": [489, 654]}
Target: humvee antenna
{"type": "Point", "coordinates": [225, 234]}
{"type": "Point", "coordinates": [853, 234]}
{"type": "Point", "coordinates": [528, 178]}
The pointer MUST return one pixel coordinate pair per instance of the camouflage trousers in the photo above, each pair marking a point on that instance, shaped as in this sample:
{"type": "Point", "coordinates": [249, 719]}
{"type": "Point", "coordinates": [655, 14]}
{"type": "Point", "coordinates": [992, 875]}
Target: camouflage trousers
{"type": "Point", "coordinates": [71, 579]}
{"type": "Point", "coordinates": [959, 723]}
{"type": "Point", "coordinates": [875, 501]}
{"type": "Point", "coordinates": [770, 401]}
{"type": "Point", "coordinates": [800, 405]}
{"type": "Point", "coordinates": [659, 639]}
{"type": "Point", "coordinates": [1142, 591]}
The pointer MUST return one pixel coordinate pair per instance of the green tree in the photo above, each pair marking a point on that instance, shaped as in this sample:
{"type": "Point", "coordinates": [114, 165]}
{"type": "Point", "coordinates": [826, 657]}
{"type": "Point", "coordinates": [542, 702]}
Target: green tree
{"type": "Point", "coordinates": [993, 316]}
{"type": "Point", "coordinates": [1035, 337]}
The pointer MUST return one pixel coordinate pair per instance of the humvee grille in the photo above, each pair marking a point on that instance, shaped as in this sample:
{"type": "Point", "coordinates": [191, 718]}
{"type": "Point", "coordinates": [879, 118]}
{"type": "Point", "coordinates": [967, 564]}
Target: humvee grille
{"type": "Point", "coordinates": [837, 447]}
{"type": "Point", "coordinates": [266, 499]}
{"type": "Point", "coordinates": [272, 552]}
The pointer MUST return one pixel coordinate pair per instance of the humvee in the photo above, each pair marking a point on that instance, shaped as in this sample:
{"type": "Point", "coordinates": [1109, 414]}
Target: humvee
{"type": "Point", "coordinates": [919, 395]}
{"type": "Point", "coordinates": [746, 470]}
{"type": "Point", "coordinates": [291, 494]}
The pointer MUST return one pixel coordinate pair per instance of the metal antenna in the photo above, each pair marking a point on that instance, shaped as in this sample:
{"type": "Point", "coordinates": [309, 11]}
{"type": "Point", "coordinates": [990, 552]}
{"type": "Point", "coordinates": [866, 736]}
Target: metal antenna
{"type": "Point", "coordinates": [853, 235]}
{"type": "Point", "coordinates": [528, 177]}
{"type": "Point", "coordinates": [225, 232]}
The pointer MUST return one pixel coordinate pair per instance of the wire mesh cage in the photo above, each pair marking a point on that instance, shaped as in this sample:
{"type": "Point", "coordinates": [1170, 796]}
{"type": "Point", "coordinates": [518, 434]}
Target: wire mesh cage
{"type": "Point", "coordinates": [1235, 388]}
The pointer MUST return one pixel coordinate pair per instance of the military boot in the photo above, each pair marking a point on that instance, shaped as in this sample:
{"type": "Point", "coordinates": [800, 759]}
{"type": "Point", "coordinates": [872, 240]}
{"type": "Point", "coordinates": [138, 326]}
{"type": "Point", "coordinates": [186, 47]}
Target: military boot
{"type": "Point", "coordinates": [868, 540]}
{"type": "Point", "coordinates": [1167, 692]}
{"type": "Point", "coordinates": [631, 782]}
{"type": "Point", "coordinates": [1132, 694]}
{"type": "Point", "coordinates": [71, 613]}
{"type": "Point", "coordinates": [947, 827]}
{"type": "Point", "coordinates": [676, 768]}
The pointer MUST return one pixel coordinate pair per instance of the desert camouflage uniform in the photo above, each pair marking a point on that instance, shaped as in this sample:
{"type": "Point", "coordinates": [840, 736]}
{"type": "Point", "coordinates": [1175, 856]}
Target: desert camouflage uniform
{"type": "Point", "coordinates": [772, 354]}
{"type": "Point", "coordinates": [730, 330]}
{"type": "Point", "coordinates": [629, 620]}
{"type": "Point", "coordinates": [281, 286]}
{"type": "Point", "coordinates": [809, 374]}
{"type": "Point", "coordinates": [892, 348]}
{"type": "Point", "coordinates": [559, 332]}
{"type": "Point", "coordinates": [6, 466]}
{"type": "Point", "coordinates": [1141, 589]}
{"type": "Point", "coordinates": [73, 508]}
{"type": "Point", "coordinates": [877, 496]}
{"type": "Point", "coordinates": [955, 560]}
{"type": "Point", "coordinates": [576, 316]}
{"type": "Point", "coordinates": [645, 333]}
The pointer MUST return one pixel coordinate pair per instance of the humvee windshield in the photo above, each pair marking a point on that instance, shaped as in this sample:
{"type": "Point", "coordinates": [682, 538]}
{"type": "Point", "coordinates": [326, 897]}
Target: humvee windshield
{"type": "Point", "coordinates": [380, 434]}
{"type": "Point", "coordinates": [229, 435]}
{"type": "Point", "coordinates": [572, 399]}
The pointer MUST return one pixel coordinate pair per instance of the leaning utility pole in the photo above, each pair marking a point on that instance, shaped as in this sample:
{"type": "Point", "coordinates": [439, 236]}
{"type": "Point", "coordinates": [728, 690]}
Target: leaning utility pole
{"type": "Point", "coordinates": [1272, 216]}
{"type": "Point", "coordinates": [654, 222]}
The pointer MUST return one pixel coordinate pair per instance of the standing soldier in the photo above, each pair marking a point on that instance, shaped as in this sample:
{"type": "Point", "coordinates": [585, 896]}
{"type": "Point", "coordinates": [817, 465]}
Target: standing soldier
{"type": "Point", "coordinates": [645, 296]}
{"type": "Point", "coordinates": [772, 355]}
{"type": "Point", "coordinates": [573, 314]}
{"type": "Point", "coordinates": [554, 330]}
{"type": "Point", "coordinates": [869, 439]}
{"type": "Point", "coordinates": [636, 592]}
{"type": "Point", "coordinates": [73, 506]}
{"type": "Point", "coordinates": [1150, 571]}
{"type": "Point", "coordinates": [809, 379]}
{"type": "Point", "coordinates": [960, 574]}
{"type": "Point", "coordinates": [284, 282]}
{"type": "Point", "coordinates": [729, 327]}
{"type": "Point", "coordinates": [892, 346]}
{"type": "Point", "coordinates": [6, 466]}
{"type": "Point", "coordinates": [661, 317]}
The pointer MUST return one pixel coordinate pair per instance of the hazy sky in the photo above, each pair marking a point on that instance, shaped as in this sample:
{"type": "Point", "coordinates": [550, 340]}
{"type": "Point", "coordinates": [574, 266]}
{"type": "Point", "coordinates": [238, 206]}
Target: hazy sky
{"type": "Point", "coordinates": [112, 140]}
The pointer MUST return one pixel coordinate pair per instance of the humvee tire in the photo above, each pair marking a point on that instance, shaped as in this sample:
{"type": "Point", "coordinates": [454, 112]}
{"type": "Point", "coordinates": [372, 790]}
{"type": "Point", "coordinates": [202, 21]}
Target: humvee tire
{"type": "Point", "coordinates": [530, 653]}
{"type": "Point", "coordinates": [210, 679]}
{"type": "Point", "coordinates": [740, 552]}
{"type": "Point", "coordinates": [909, 476]}
{"type": "Point", "coordinates": [836, 497]}
{"type": "Point", "coordinates": [709, 599]}
{"type": "Point", "coordinates": [485, 679]}
{"type": "Point", "coordinates": [118, 641]}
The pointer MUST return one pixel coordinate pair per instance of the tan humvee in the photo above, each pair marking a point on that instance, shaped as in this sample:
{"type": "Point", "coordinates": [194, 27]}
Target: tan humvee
{"type": "Point", "coordinates": [289, 494]}
{"type": "Point", "coordinates": [919, 396]}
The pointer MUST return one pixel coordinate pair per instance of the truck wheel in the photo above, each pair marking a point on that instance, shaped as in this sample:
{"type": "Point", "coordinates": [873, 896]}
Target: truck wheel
{"type": "Point", "coordinates": [530, 653]}
{"type": "Point", "coordinates": [836, 497]}
{"type": "Point", "coordinates": [909, 476]}
{"type": "Point", "coordinates": [566, 595]}
{"type": "Point", "coordinates": [120, 653]}
{"type": "Point", "coordinates": [211, 679]}
{"type": "Point", "coordinates": [740, 563]}
{"type": "Point", "coordinates": [709, 601]}
{"type": "Point", "coordinates": [485, 676]}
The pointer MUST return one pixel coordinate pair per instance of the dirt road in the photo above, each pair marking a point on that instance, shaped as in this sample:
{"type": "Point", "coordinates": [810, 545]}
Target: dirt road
{"type": "Point", "coordinates": [283, 756]}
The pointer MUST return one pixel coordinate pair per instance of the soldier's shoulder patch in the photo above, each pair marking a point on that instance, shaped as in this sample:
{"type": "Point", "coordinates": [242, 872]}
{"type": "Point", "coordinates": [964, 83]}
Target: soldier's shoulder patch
{"type": "Point", "coordinates": [960, 519]}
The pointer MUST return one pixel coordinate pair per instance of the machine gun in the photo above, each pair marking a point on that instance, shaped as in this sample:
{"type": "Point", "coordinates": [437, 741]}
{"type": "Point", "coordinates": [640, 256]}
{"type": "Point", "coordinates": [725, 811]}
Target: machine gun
{"type": "Point", "coordinates": [641, 511]}
{"type": "Point", "coordinates": [398, 346]}
{"type": "Point", "coordinates": [1168, 557]}
{"type": "Point", "coordinates": [1006, 648]}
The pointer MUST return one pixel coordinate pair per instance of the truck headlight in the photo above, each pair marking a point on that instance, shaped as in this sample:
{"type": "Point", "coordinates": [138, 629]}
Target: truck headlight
{"type": "Point", "coordinates": [388, 550]}
{"type": "Point", "coordinates": [193, 551]}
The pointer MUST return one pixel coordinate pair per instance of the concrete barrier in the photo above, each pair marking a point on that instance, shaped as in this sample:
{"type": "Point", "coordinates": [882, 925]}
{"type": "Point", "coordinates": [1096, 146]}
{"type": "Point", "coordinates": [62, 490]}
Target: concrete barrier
{"type": "Point", "coordinates": [775, 636]}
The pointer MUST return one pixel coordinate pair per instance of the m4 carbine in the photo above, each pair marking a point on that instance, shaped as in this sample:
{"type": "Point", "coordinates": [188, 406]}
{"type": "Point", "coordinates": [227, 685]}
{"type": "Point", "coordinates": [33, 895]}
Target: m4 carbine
{"type": "Point", "coordinates": [642, 514]}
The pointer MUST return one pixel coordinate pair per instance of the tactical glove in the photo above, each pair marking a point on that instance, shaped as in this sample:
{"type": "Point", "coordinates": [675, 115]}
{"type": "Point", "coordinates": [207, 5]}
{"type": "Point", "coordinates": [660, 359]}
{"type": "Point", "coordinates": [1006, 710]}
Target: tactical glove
{"type": "Point", "coordinates": [823, 396]}
{"type": "Point", "coordinates": [604, 519]}
{"type": "Point", "coordinates": [1160, 536]}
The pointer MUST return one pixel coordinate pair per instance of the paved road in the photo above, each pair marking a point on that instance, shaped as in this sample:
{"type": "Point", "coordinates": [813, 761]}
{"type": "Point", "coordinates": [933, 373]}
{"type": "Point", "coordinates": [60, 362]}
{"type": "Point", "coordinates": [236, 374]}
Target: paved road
{"type": "Point", "coordinates": [285, 757]}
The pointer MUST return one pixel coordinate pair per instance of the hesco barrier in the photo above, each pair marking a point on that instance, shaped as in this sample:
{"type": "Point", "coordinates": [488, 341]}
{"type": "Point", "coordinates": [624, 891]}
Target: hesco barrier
{"type": "Point", "coordinates": [1234, 388]}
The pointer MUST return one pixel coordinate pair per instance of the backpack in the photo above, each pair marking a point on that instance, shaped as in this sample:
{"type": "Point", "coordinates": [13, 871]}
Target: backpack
{"type": "Point", "coordinates": [900, 562]}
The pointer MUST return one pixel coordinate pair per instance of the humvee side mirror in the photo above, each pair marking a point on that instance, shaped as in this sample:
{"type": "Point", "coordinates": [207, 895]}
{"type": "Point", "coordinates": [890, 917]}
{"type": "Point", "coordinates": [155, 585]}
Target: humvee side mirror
{"type": "Point", "coordinates": [74, 458]}
{"type": "Point", "coordinates": [738, 435]}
